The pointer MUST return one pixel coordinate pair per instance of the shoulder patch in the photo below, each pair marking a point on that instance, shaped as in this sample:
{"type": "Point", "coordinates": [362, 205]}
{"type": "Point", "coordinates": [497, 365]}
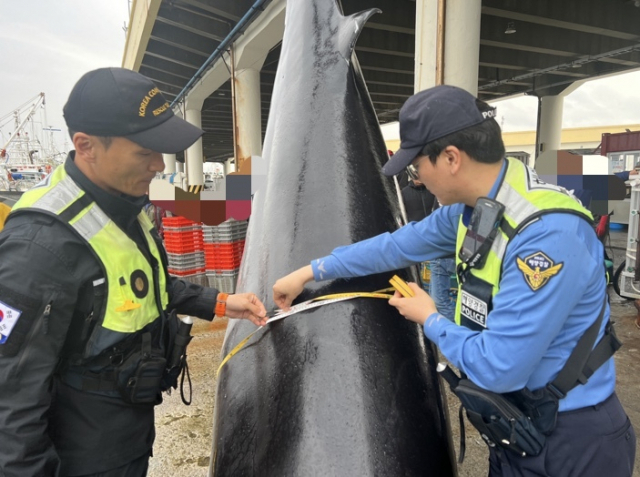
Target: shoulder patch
{"type": "Point", "coordinates": [537, 269]}
{"type": "Point", "coordinates": [8, 319]}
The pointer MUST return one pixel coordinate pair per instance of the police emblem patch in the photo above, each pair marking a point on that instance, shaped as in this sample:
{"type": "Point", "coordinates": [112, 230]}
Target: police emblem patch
{"type": "Point", "coordinates": [8, 319]}
{"type": "Point", "coordinates": [538, 269]}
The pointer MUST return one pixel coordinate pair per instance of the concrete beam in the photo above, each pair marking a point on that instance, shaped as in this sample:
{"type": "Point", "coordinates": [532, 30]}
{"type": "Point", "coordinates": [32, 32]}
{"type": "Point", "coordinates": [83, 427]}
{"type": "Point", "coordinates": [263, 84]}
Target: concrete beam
{"type": "Point", "coordinates": [397, 16]}
{"type": "Point", "coordinates": [556, 53]}
{"type": "Point", "coordinates": [185, 38]}
{"type": "Point", "coordinates": [384, 51]}
{"type": "Point", "coordinates": [401, 44]}
{"type": "Point", "coordinates": [514, 83]}
{"type": "Point", "coordinates": [170, 59]}
{"type": "Point", "coordinates": [375, 62]}
{"type": "Point", "coordinates": [181, 46]}
{"type": "Point", "coordinates": [394, 78]}
{"type": "Point", "coordinates": [529, 62]}
{"type": "Point", "coordinates": [387, 70]}
{"type": "Point", "coordinates": [393, 85]}
{"type": "Point", "coordinates": [143, 16]}
{"type": "Point", "coordinates": [172, 52]}
{"type": "Point", "coordinates": [153, 70]}
{"type": "Point", "coordinates": [589, 16]}
{"type": "Point", "coordinates": [393, 28]}
{"type": "Point", "coordinates": [191, 22]}
{"type": "Point", "coordinates": [187, 27]}
{"type": "Point", "coordinates": [389, 90]}
{"type": "Point", "coordinates": [528, 48]}
{"type": "Point", "coordinates": [162, 64]}
{"type": "Point", "coordinates": [164, 76]}
{"type": "Point", "coordinates": [546, 37]}
{"type": "Point", "coordinates": [251, 48]}
{"type": "Point", "coordinates": [225, 22]}
{"type": "Point", "coordinates": [167, 88]}
{"type": "Point", "coordinates": [233, 10]}
{"type": "Point", "coordinates": [265, 32]}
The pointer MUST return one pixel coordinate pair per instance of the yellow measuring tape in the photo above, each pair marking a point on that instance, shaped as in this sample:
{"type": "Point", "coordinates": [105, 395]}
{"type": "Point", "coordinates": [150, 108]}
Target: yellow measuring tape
{"type": "Point", "coordinates": [397, 282]}
{"type": "Point", "coordinates": [402, 286]}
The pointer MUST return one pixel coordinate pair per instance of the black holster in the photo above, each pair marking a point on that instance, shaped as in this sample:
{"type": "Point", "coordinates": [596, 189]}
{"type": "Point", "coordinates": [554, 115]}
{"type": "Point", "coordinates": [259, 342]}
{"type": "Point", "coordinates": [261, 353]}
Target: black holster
{"type": "Point", "coordinates": [541, 406]}
{"type": "Point", "coordinates": [139, 368]}
{"type": "Point", "coordinates": [139, 377]}
{"type": "Point", "coordinates": [177, 339]}
{"type": "Point", "coordinates": [499, 421]}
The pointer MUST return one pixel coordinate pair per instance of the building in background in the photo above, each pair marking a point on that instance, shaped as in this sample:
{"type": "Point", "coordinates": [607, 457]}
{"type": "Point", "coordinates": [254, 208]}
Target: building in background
{"type": "Point", "coordinates": [521, 144]}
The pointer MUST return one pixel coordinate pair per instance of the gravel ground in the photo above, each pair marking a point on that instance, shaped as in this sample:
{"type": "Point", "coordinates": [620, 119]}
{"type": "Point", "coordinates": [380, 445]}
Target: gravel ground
{"type": "Point", "coordinates": [183, 441]}
{"type": "Point", "coordinates": [183, 433]}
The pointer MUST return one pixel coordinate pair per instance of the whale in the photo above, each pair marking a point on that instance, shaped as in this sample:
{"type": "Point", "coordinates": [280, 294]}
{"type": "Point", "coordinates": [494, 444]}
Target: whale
{"type": "Point", "coordinates": [348, 388]}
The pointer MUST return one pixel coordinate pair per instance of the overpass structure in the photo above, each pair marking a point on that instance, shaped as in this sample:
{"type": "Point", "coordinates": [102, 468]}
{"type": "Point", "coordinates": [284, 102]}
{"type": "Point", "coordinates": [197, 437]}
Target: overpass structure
{"type": "Point", "coordinates": [217, 59]}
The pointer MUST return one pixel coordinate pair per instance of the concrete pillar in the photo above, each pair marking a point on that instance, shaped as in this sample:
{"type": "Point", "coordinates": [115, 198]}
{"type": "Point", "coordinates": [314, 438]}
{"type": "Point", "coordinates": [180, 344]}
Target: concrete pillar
{"type": "Point", "coordinates": [248, 116]}
{"type": "Point", "coordinates": [425, 39]}
{"type": "Point", "coordinates": [550, 123]}
{"type": "Point", "coordinates": [179, 167]}
{"type": "Point", "coordinates": [229, 166]}
{"type": "Point", "coordinates": [169, 163]}
{"type": "Point", "coordinates": [461, 43]}
{"type": "Point", "coordinates": [193, 155]}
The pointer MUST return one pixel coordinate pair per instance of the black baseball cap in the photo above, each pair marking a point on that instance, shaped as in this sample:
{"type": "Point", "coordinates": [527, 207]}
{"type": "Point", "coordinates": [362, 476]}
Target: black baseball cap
{"type": "Point", "coordinates": [116, 102]}
{"type": "Point", "coordinates": [432, 114]}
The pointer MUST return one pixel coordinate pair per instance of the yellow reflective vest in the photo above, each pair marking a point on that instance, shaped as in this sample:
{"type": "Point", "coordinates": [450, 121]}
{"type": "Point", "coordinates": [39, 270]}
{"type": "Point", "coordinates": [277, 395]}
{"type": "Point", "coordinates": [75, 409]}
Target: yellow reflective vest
{"type": "Point", "coordinates": [130, 282]}
{"type": "Point", "coordinates": [525, 198]}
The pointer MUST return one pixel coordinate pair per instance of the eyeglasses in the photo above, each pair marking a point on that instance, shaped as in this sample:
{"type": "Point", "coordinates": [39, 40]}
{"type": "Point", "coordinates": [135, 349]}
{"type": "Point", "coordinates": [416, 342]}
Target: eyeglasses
{"type": "Point", "coordinates": [412, 171]}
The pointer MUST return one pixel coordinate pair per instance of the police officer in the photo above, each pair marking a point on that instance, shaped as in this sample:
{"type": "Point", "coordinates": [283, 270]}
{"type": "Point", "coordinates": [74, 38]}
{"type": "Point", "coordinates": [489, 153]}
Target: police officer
{"type": "Point", "coordinates": [87, 308]}
{"type": "Point", "coordinates": [521, 313]}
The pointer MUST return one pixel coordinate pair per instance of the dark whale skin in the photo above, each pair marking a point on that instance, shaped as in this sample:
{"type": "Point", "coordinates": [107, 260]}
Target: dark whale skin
{"type": "Point", "coordinates": [347, 389]}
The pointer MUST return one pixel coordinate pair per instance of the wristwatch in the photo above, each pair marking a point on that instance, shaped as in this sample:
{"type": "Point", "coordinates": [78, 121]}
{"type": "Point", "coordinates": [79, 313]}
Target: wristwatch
{"type": "Point", "coordinates": [221, 304]}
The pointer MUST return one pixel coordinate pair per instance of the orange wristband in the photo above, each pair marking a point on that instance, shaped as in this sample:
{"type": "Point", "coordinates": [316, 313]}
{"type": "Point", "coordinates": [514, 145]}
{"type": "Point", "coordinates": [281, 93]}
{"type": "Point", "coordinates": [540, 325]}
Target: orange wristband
{"type": "Point", "coordinates": [221, 304]}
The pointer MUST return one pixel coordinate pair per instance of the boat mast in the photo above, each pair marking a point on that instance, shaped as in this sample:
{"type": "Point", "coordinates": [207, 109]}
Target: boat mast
{"type": "Point", "coordinates": [20, 124]}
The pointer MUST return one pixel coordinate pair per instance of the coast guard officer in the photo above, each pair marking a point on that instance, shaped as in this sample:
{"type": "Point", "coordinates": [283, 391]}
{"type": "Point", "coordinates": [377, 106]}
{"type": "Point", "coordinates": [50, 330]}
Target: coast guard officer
{"type": "Point", "coordinates": [522, 308]}
{"type": "Point", "coordinates": [85, 297]}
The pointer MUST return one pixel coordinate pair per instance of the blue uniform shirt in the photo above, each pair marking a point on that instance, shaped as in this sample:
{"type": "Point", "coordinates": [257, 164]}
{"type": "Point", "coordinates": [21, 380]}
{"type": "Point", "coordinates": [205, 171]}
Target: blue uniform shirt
{"type": "Point", "coordinates": [530, 333]}
{"type": "Point", "coordinates": [624, 175]}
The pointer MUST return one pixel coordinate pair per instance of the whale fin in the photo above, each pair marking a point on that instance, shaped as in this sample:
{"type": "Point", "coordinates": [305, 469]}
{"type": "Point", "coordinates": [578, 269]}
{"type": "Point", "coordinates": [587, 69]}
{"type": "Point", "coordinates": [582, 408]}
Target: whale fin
{"type": "Point", "coordinates": [351, 28]}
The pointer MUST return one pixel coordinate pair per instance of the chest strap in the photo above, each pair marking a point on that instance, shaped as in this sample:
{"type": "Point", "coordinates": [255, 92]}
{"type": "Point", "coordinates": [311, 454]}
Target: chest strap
{"type": "Point", "coordinates": [584, 359]}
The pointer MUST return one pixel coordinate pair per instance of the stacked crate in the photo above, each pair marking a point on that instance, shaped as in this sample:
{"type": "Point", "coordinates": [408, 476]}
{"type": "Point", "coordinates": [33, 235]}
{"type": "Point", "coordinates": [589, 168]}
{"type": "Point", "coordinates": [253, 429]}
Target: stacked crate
{"type": "Point", "coordinates": [184, 245]}
{"type": "Point", "coordinates": [223, 247]}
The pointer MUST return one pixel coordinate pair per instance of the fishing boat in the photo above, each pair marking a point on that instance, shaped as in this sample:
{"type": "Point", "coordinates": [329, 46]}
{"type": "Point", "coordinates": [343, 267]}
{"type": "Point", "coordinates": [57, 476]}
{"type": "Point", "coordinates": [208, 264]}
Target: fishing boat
{"type": "Point", "coordinates": [27, 154]}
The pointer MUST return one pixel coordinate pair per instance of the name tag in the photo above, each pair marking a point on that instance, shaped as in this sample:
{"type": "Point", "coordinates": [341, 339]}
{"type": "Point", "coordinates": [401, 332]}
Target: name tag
{"type": "Point", "coordinates": [473, 309]}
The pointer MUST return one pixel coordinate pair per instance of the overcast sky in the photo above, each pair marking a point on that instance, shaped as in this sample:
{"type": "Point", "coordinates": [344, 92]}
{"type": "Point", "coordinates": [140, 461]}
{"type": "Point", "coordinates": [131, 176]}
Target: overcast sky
{"type": "Point", "coordinates": [608, 101]}
{"type": "Point", "coordinates": [46, 45]}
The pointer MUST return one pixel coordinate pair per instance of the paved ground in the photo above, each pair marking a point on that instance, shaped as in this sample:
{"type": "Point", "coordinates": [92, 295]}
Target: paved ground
{"type": "Point", "coordinates": [183, 440]}
{"type": "Point", "coordinates": [9, 198]}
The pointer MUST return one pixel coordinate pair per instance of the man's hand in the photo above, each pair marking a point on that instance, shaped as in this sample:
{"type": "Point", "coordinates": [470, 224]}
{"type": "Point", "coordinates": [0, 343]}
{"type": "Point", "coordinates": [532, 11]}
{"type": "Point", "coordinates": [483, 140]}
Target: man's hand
{"type": "Point", "coordinates": [288, 288]}
{"type": "Point", "coordinates": [417, 308]}
{"type": "Point", "coordinates": [247, 306]}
